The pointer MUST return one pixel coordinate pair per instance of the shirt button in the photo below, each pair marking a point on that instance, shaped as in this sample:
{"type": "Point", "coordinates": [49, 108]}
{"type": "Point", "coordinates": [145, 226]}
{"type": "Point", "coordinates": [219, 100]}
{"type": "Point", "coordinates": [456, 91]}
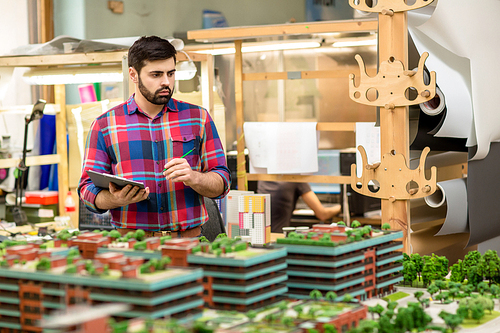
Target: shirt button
{"type": "Point", "coordinates": [157, 162]}
{"type": "Point", "coordinates": [156, 141]}
{"type": "Point", "coordinates": [159, 185]}
{"type": "Point", "coordinates": [161, 208]}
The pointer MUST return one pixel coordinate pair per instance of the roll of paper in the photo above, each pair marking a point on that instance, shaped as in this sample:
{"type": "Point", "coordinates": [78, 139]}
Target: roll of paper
{"type": "Point", "coordinates": [10, 199]}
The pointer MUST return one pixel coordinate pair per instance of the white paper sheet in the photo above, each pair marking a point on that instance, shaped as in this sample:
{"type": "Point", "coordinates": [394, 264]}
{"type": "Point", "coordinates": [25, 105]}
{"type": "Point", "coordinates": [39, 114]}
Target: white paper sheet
{"type": "Point", "coordinates": [454, 196]}
{"type": "Point", "coordinates": [470, 29]}
{"type": "Point", "coordinates": [368, 136]}
{"type": "Point", "coordinates": [282, 148]}
{"type": "Point", "coordinates": [257, 143]}
{"type": "Point", "coordinates": [452, 76]}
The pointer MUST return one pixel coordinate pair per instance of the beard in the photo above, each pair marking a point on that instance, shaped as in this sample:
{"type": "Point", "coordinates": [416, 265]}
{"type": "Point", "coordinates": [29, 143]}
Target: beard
{"type": "Point", "coordinates": [155, 98]}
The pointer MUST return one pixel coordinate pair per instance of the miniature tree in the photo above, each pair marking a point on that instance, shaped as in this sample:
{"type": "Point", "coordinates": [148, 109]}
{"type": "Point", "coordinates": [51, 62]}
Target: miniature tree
{"type": "Point", "coordinates": [440, 284]}
{"type": "Point", "coordinates": [477, 312]}
{"type": "Point", "coordinates": [141, 246]}
{"type": "Point", "coordinates": [392, 305]}
{"type": "Point", "coordinates": [409, 272]}
{"type": "Point", "coordinates": [287, 321]}
{"type": "Point", "coordinates": [468, 289]}
{"type": "Point", "coordinates": [386, 226]}
{"type": "Point", "coordinates": [470, 264]}
{"type": "Point", "coordinates": [457, 272]}
{"type": "Point", "coordinates": [489, 265]}
{"type": "Point", "coordinates": [355, 224]}
{"type": "Point", "coordinates": [43, 264]}
{"type": "Point", "coordinates": [331, 296]}
{"type": "Point", "coordinates": [315, 294]}
{"type": "Point", "coordinates": [139, 234]}
{"type": "Point", "coordinates": [419, 264]}
{"type": "Point", "coordinates": [403, 321]}
{"type": "Point", "coordinates": [114, 234]}
{"type": "Point", "coordinates": [70, 269]}
{"type": "Point", "coordinates": [347, 298]}
{"type": "Point", "coordinates": [385, 324]}
{"type": "Point", "coordinates": [341, 223]}
{"type": "Point", "coordinates": [222, 235]}
{"type": "Point", "coordinates": [463, 311]}
{"type": "Point", "coordinates": [494, 290]}
{"type": "Point", "coordinates": [366, 230]}
{"type": "Point", "coordinates": [329, 328]}
{"type": "Point", "coordinates": [251, 314]}
{"type": "Point", "coordinates": [482, 287]}
{"type": "Point", "coordinates": [432, 289]}
{"type": "Point", "coordinates": [204, 239]}
{"type": "Point", "coordinates": [454, 292]}
{"type": "Point", "coordinates": [418, 295]}
{"type": "Point", "coordinates": [451, 320]}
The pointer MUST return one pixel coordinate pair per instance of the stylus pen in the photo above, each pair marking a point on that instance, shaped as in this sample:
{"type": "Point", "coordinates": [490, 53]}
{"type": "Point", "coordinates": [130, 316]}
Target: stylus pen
{"type": "Point", "coordinates": [186, 154]}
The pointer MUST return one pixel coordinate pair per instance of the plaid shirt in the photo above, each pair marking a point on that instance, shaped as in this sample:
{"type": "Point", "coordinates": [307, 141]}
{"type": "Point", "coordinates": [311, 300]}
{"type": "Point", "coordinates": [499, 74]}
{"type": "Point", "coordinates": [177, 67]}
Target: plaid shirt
{"type": "Point", "coordinates": [125, 142]}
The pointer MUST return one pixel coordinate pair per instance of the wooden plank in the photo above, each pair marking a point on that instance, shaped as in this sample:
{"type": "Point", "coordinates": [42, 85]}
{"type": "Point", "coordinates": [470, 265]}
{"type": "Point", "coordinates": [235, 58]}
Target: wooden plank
{"type": "Point", "coordinates": [394, 124]}
{"type": "Point", "coordinates": [63, 59]}
{"type": "Point", "coordinates": [233, 33]}
{"type": "Point", "coordinates": [336, 127]}
{"type": "Point", "coordinates": [30, 161]}
{"type": "Point", "coordinates": [80, 59]}
{"type": "Point", "coordinates": [238, 97]}
{"type": "Point", "coordinates": [320, 74]}
{"type": "Point", "coordinates": [62, 148]}
{"type": "Point", "coordinates": [207, 83]}
{"type": "Point", "coordinates": [300, 178]}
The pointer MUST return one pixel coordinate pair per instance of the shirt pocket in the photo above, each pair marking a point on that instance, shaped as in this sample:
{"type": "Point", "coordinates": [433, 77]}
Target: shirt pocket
{"type": "Point", "coordinates": [186, 144]}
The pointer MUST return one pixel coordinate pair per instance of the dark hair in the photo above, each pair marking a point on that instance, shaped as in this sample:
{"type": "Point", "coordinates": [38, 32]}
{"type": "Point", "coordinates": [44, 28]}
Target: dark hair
{"type": "Point", "coordinates": [149, 49]}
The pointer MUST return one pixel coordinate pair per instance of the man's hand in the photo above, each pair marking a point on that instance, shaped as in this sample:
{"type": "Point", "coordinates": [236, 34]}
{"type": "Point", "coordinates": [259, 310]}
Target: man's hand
{"type": "Point", "coordinates": [207, 184]}
{"type": "Point", "coordinates": [119, 197]}
{"type": "Point", "coordinates": [179, 170]}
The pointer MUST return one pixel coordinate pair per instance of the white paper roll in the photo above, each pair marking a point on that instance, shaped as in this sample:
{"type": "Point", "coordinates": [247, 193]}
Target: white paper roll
{"type": "Point", "coordinates": [10, 199]}
{"type": "Point", "coordinates": [437, 199]}
{"type": "Point", "coordinates": [431, 110]}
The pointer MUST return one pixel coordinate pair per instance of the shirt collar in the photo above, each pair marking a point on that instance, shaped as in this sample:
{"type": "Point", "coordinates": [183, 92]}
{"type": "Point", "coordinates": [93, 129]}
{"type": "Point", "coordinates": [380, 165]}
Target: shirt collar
{"type": "Point", "coordinates": [132, 106]}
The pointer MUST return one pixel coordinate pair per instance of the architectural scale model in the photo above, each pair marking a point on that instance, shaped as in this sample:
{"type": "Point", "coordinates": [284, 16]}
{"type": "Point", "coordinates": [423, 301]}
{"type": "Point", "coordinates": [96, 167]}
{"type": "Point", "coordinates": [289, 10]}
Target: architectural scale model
{"type": "Point", "coordinates": [34, 282]}
{"type": "Point", "coordinates": [241, 278]}
{"type": "Point", "coordinates": [359, 261]}
{"type": "Point", "coordinates": [254, 218]}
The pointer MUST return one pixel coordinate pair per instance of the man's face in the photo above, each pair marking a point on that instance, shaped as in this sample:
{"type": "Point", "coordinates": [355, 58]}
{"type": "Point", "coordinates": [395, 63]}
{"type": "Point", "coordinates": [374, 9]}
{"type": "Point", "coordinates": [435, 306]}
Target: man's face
{"type": "Point", "coordinates": [156, 81]}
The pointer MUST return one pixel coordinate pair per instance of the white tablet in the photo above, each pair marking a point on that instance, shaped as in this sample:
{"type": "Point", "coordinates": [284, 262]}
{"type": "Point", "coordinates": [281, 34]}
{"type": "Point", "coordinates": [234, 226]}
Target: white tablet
{"type": "Point", "coordinates": [103, 180]}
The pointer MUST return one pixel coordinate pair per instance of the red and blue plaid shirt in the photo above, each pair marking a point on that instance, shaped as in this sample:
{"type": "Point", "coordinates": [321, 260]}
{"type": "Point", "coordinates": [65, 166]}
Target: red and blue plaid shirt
{"type": "Point", "coordinates": [124, 141]}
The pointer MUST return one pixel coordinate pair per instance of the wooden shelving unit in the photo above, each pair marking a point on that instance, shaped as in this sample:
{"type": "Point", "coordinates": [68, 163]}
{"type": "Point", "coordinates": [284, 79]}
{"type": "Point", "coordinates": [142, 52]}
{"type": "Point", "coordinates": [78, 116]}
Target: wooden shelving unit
{"type": "Point", "coordinates": [237, 35]}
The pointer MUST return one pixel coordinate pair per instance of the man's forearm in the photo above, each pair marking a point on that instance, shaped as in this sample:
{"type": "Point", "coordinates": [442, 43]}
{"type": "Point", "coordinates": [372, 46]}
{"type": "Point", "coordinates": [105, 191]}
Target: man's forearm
{"type": "Point", "coordinates": [105, 200]}
{"type": "Point", "coordinates": [209, 184]}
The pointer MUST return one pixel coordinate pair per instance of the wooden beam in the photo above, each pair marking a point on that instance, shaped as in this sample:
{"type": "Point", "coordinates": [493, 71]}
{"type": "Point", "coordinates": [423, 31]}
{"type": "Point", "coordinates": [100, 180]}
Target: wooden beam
{"type": "Point", "coordinates": [30, 161]}
{"type": "Point", "coordinates": [320, 74]}
{"type": "Point", "coordinates": [394, 123]}
{"type": "Point", "coordinates": [66, 59]}
{"type": "Point", "coordinates": [207, 84]}
{"type": "Point", "coordinates": [301, 178]}
{"type": "Point", "coordinates": [234, 33]}
{"type": "Point", "coordinates": [80, 59]}
{"type": "Point", "coordinates": [336, 127]}
{"type": "Point", "coordinates": [238, 97]}
{"type": "Point", "coordinates": [62, 146]}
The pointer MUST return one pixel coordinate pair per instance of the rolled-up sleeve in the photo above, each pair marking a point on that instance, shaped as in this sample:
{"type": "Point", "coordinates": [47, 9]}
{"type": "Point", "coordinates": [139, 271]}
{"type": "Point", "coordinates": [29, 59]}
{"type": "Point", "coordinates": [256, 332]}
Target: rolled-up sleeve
{"type": "Point", "coordinates": [213, 158]}
{"type": "Point", "coordinates": [96, 158]}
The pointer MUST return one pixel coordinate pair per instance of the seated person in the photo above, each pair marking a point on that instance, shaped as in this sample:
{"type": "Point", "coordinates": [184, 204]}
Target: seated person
{"type": "Point", "coordinates": [284, 196]}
